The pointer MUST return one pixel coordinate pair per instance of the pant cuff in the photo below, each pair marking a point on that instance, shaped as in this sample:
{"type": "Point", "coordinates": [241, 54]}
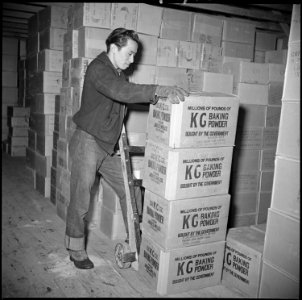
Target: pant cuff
{"type": "Point", "coordinates": [75, 244]}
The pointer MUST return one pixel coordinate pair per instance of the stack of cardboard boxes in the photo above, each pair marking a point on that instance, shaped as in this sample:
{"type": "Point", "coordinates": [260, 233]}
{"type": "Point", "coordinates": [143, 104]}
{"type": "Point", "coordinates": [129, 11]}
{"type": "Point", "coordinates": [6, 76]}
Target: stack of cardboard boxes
{"type": "Point", "coordinates": [44, 80]}
{"type": "Point", "coordinates": [9, 80]}
{"type": "Point", "coordinates": [186, 178]}
{"type": "Point", "coordinates": [258, 87]}
{"type": "Point", "coordinates": [17, 117]}
{"type": "Point", "coordinates": [280, 272]}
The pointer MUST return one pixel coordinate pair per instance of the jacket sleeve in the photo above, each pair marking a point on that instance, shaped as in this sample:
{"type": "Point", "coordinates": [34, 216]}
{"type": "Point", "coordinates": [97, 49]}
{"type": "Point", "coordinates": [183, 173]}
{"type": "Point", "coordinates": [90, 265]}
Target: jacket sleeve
{"type": "Point", "coordinates": [118, 88]}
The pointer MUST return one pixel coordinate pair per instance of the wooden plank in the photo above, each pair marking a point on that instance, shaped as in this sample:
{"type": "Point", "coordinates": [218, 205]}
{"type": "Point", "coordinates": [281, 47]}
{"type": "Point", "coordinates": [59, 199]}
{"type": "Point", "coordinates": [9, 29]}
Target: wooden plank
{"type": "Point", "coordinates": [283, 7]}
{"type": "Point", "coordinates": [234, 10]}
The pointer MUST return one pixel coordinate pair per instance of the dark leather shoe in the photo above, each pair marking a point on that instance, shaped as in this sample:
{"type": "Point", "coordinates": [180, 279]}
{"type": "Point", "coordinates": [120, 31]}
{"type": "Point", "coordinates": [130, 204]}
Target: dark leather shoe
{"type": "Point", "coordinates": [82, 264]}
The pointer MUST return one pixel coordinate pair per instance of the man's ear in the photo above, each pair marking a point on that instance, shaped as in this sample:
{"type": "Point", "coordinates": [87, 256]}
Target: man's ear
{"type": "Point", "coordinates": [113, 48]}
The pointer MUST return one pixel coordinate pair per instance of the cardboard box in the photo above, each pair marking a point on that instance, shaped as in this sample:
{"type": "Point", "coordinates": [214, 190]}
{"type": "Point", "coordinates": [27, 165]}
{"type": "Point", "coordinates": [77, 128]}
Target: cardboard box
{"type": "Point", "coordinates": [147, 50]}
{"type": "Point", "coordinates": [176, 25]}
{"type": "Point", "coordinates": [178, 224]}
{"type": "Point", "coordinates": [276, 56]}
{"type": "Point", "coordinates": [18, 111]}
{"type": "Point", "coordinates": [167, 52]}
{"type": "Point", "coordinates": [249, 93]}
{"type": "Point", "coordinates": [206, 29]}
{"type": "Point", "coordinates": [272, 118]}
{"type": "Point", "coordinates": [143, 74]}
{"type": "Point", "coordinates": [33, 44]}
{"type": "Point", "coordinates": [276, 72]}
{"type": "Point", "coordinates": [295, 34]}
{"type": "Point", "coordinates": [276, 284]}
{"type": "Point", "coordinates": [235, 49]}
{"type": "Point", "coordinates": [247, 72]}
{"type": "Point", "coordinates": [33, 24]}
{"type": "Point", "coordinates": [18, 131]}
{"type": "Point", "coordinates": [186, 173]}
{"type": "Point", "coordinates": [18, 121]}
{"type": "Point", "coordinates": [243, 203]}
{"type": "Point", "coordinates": [259, 227]}
{"type": "Point", "coordinates": [247, 182]}
{"type": "Point", "coordinates": [291, 88]}
{"type": "Point", "coordinates": [48, 82]}
{"type": "Point", "coordinates": [179, 270]}
{"type": "Point", "coordinates": [203, 120]}
{"type": "Point", "coordinates": [43, 164]}
{"type": "Point", "coordinates": [45, 144]}
{"type": "Point", "coordinates": [282, 247]}
{"type": "Point", "coordinates": [112, 224]}
{"type": "Point", "coordinates": [211, 59]}
{"type": "Point", "coordinates": [243, 260]}
{"type": "Point", "coordinates": [16, 150]}
{"type": "Point", "coordinates": [71, 44]}
{"type": "Point", "coordinates": [53, 16]}
{"type": "Point", "coordinates": [31, 65]}
{"type": "Point", "coordinates": [32, 139]}
{"type": "Point", "coordinates": [41, 123]}
{"type": "Point", "coordinates": [241, 220]}
{"type": "Point", "coordinates": [264, 203]}
{"type": "Point", "coordinates": [43, 103]}
{"type": "Point", "coordinates": [124, 15]}
{"type": "Point", "coordinates": [149, 19]}
{"type": "Point", "coordinates": [249, 138]}
{"type": "Point", "coordinates": [9, 79]}
{"type": "Point", "coordinates": [226, 59]}
{"type": "Point", "coordinates": [43, 185]}
{"type": "Point", "coordinates": [9, 46]}
{"type": "Point", "coordinates": [259, 56]}
{"type": "Point", "coordinates": [92, 41]}
{"type": "Point", "coordinates": [50, 60]}
{"type": "Point", "coordinates": [188, 55]}
{"type": "Point", "coordinates": [275, 90]}
{"type": "Point", "coordinates": [9, 62]}
{"type": "Point", "coordinates": [9, 95]}
{"type": "Point", "coordinates": [91, 15]}
{"type": "Point", "coordinates": [245, 160]}
{"type": "Point", "coordinates": [267, 159]}
{"type": "Point", "coordinates": [270, 138]}
{"type": "Point", "coordinates": [265, 41]}
{"type": "Point", "coordinates": [66, 79]}
{"type": "Point", "coordinates": [286, 187]}
{"type": "Point", "coordinates": [266, 181]}
{"type": "Point", "coordinates": [52, 38]}
{"type": "Point", "coordinates": [78, 68]}
{"type": "Point", "coordinates": [202, 81]}
{"type": "Point", "coordinates": [171, 76]}
{"type": "Point", "coordinates": [240, 32]}
{"type": "Point", "coordinates": [18, 141]}
{"type": "Point", "coordinates": [289, 131]}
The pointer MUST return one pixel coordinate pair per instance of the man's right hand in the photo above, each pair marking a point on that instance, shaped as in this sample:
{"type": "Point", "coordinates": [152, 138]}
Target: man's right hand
{"type": "Point", "coordinates": [173, 94]}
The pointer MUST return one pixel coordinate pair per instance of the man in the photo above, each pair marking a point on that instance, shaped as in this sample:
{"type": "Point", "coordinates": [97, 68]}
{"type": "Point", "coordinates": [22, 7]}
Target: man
{"type": "Point", "coordinates": [99, 121]}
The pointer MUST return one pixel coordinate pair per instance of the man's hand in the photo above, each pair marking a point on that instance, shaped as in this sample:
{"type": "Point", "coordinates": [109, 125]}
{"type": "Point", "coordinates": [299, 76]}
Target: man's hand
{"type": "Point", "coordinates": [173, 94]}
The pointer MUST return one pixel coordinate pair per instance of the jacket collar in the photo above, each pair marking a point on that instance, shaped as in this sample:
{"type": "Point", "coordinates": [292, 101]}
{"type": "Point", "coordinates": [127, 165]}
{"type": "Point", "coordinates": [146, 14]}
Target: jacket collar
{"type": "Point", "coordinates": [103, 57]}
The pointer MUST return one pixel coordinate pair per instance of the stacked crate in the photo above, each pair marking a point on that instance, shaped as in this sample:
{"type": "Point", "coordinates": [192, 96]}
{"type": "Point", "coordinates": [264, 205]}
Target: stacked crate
{"type": "Point", "coordinates": [186, 178]}
{"type": "Point", "coordinates": [243, 259]}
{"type": "Point", "coordinates": [281, 268]}
{"type": "Point", "coordinates": [257, 86]}
{"type": "Point", "coordinates": [9, 80]}
{"type": "Point", "coordinates": [17, 142]}
{"type": "Point", "coordinates": [45, 63]}
{"type": "Point", "coordinates": [264, 41]}
{"type": "Point", "coordinates": [238, 40]}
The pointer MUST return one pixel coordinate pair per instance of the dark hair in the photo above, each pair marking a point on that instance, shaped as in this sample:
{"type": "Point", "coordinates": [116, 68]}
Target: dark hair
{"type": "Point", "coordinates": [120, 37]}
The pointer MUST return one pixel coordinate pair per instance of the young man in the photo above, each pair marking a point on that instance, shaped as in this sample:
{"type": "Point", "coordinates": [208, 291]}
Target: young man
{"type": "Point", "coordinates": [99, 121]}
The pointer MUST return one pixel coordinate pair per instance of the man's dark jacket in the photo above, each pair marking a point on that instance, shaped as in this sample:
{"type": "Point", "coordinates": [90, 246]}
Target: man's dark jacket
{"type": "Point", "coordinates": [104, 95]}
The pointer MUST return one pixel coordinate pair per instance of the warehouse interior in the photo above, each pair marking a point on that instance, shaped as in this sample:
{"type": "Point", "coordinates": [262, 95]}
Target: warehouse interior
{"type": "Point", "coordinates": [242, 217]}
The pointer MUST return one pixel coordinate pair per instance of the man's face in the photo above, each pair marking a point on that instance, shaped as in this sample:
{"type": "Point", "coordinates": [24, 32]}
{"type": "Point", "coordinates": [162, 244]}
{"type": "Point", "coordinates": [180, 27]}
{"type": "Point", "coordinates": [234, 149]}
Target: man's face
{"type": "Point", "coordinates": [123, 57]}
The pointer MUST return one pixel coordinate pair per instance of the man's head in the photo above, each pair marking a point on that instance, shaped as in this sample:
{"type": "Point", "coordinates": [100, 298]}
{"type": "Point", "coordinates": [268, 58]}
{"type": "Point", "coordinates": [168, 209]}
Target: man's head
{"type": "Point", "coordinates": [122, 45]}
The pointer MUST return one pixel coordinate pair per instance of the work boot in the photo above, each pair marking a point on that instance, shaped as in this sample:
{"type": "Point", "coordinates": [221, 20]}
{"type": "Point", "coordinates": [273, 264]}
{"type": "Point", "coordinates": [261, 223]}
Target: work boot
{"type": "Point", "coordinates": [80, 259]}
